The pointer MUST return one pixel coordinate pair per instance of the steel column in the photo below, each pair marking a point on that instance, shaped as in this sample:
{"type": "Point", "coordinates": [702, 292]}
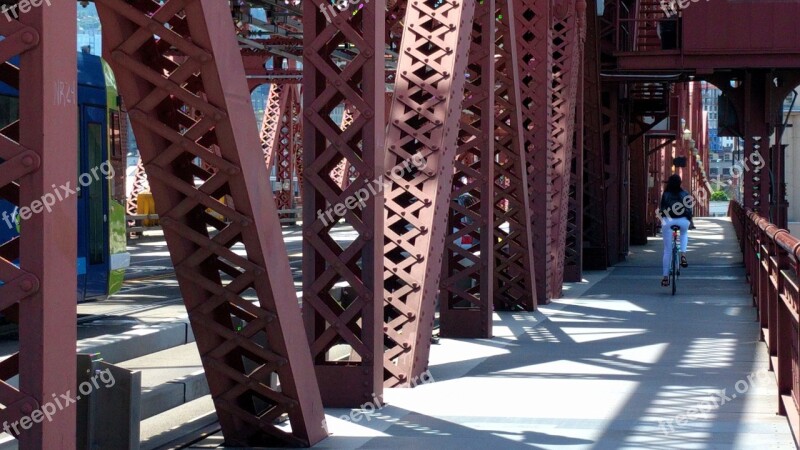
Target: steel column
{"type": "Point", "coordinates": [514, 287]}
{"type": "Point", "coordinates": [350, 315]}
{"type": "Point", "coordinates": [421, 142]}
{"type": "Point", "coordinates": [243, 345]}
{"type": "Point", "coordinates": [534, 44]}
{"type": "Point", "coordinates": [562, 94]}
{"type": "Point", "coordinates": [595, 231]}
{"type": "Point", "coordinates": [37, 269]}
{"type": "Point", "coordinates": [467, 284]}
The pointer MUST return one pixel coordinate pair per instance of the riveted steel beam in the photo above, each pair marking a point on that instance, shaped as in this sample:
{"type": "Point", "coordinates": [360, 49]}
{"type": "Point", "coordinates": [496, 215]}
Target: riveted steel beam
{"type": "Point", "coordinates": [421, 145]}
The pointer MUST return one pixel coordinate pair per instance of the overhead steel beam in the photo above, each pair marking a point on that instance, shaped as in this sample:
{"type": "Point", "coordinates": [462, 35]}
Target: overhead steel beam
{"type": "Point", "coordinates": [243, 344]}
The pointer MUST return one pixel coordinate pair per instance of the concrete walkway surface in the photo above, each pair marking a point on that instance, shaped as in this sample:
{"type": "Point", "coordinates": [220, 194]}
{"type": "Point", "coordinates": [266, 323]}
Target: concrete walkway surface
{"type": "Point", "coordinates": [618, 363]}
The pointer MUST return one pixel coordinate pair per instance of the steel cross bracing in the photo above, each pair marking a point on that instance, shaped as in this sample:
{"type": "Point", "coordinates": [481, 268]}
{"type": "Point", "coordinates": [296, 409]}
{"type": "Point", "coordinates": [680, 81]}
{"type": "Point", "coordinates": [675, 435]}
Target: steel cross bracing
{"type": "Point", "coordinates": [343, 172]}
{"type": "Point", "coordinates": [286, 146]}
{"type": "Point", "coordinates": [242, 344]}
{"type": "Point", "coordinates": [535, 58]}
{"type": "Point", "coordinates": [343, 285]}
{"type": "Point", "coordinates": [270, 124]}
{"type": "Point", "coordinates": [421, 145]}
{"type": "Point", "coordinates": [467, 281]}
{"type": "Point", "coordinates": [513, 250]}
{"type": "Point", "coordinates": [37, 269]}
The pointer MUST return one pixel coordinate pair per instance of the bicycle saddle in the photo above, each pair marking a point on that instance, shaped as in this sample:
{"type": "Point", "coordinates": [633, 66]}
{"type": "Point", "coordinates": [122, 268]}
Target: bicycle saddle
{"type": "Point", "coordinates": [675, 228]}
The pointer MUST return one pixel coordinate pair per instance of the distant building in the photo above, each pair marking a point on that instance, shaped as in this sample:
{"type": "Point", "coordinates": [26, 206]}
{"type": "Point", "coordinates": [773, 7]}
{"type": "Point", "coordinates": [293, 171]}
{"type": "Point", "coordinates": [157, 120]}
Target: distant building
{"type": "Point", "coordinates": [723, 153]}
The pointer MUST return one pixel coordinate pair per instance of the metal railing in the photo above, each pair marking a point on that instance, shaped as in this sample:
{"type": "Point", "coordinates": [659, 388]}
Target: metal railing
{"type": "Point", "coordinates": [138, 223]}
{"type": "Point", "coordinates": [772, 263]}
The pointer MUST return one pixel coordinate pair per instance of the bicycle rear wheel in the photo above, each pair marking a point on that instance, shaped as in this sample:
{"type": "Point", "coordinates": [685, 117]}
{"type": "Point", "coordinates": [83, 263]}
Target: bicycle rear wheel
{"type": "Point", "coordinates": [673, 272]}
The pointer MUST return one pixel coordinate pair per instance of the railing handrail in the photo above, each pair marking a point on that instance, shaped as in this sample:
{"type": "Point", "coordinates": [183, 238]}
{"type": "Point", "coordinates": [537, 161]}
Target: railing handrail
{"type": "Point", "coordinates": [782, 237]}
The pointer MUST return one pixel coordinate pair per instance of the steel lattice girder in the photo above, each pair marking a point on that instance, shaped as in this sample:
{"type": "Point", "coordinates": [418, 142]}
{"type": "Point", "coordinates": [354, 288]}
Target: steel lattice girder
{"type": "Point", "coordinates": [467, 281]}
{"type": "Point", "coordinates": [514, 287]}
{"type": "Point", "coordinates": [569, 33]}
{"type": "Point", "coordinates": [242, 344]}
{"type": "Point", "coordinates": [353, 316]}
{"type": "Point", "coordinates": [270, 123]}
{"type": "Point", "coordinates": [40, 264]}
{"type": "Point", "coordinates": [140, 185]}
{"type": "Point", "coordinates": [286, 149]}
{"type": "Point", "coordinates": [422, 142]}
{"type": "Point", "coordinates": [562, 93]}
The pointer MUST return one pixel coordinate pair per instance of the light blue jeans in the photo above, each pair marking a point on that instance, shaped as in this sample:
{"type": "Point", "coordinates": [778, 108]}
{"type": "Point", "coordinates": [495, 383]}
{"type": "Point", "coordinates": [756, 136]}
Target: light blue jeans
{"type": "Point", "coordinates": [666, 232]}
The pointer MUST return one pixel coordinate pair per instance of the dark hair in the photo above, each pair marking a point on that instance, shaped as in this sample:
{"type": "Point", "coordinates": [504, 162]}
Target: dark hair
{"type": "Point", "coordinates": [674, 184]}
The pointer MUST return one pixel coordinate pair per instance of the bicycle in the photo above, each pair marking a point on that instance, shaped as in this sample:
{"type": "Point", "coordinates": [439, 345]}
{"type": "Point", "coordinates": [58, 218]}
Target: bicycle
{"type": "Point", "coordinates": [674, 267]}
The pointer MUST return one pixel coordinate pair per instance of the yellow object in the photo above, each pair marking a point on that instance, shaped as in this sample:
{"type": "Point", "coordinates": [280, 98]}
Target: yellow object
{"type": "Point", "coordinates": [146, 205]}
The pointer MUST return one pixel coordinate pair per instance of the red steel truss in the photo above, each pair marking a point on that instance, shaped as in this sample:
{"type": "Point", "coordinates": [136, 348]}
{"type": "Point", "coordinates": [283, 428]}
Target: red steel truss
{"type": "Point", "coordinates": [514, 287]}
{"type": "Point", "coordinates": [423, 124]}
{"type": "Point", "coordinates": [37, 269]}
{"type": "Point", "coordinates": [467, 282]}
{"type": "Point", "coordinates": [243, 345]}
{"type": "Point", "coordinates": [350, 313]}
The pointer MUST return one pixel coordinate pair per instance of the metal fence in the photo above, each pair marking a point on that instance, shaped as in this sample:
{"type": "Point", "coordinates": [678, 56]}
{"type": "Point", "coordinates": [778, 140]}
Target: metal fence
{"type": "Point", "coordinates": [138, 223]}
{"type": "Point", "coordinates": [772, 263]}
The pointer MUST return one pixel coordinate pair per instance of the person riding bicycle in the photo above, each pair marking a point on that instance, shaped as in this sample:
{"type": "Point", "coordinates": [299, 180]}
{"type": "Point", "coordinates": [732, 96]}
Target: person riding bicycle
{"type": "Point", "coordinates": [675, 209]}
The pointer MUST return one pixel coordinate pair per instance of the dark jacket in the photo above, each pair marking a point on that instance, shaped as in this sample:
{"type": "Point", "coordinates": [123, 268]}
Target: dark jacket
{"type": "Point", "coordinates": [674, 206]}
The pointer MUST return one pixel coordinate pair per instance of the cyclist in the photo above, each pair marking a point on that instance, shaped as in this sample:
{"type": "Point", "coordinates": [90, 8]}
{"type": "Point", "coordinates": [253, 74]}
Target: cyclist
{"type": "Point", "coordinates": [675, 209]}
